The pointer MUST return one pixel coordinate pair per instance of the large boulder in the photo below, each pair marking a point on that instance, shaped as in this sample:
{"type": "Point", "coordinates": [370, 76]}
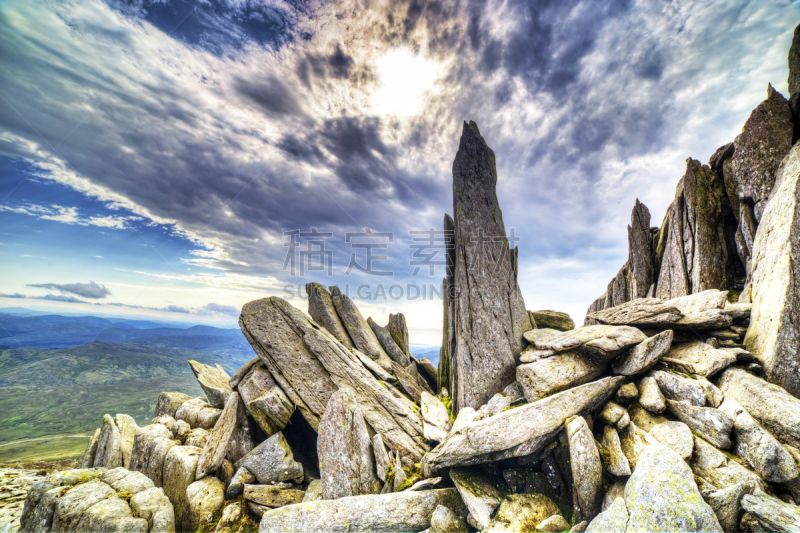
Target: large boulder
{"type": "Point", "coordinates": [698, 358]}
{"type": "Point", "coordinates": [587, 470]}
{"type": "Point", "coordinates": [599, 343]}
{"type": "Point", "coordinates": [180, 467]}
{"type": "Point", "coordinates": [264, 400]}
{"type": "Point", "coordinates": [562, 371]}
{"type": "Point", "coordinates": [217, 445]}
{"type": "Point", "coordinates": [204, 498]}
{"type": "Point", "coordinates": [110, 514]}
{"type": "Point", "coordinates": [154, 506]}
{"type": "Point", "coordinates": [551, 320]}
{"type": "Point", "coordinates": [362, 335]}
{"type": "Point", "coordinates": [402, 511]}
{"type": "Point", "coordinates": [272, 461]}
{"type": "Point", "coordinates": [198, 414]}
{"type": "Point", "coordinates": [70, 507]}
{"type": "Point", "coordinates": [322, 310]}
{"type": "Point", "coordinates": [346, 460]}
{"type": "Point", "coordinates": [214, 381]}
{"type": "Point", "coordinates": [109, 445]}
{"type": "Point", "coordinates": [487, 315]}
{"type": "Point", "coordinates": [774, 331]}
{"type": "Point", "coordinates": [169, 402]}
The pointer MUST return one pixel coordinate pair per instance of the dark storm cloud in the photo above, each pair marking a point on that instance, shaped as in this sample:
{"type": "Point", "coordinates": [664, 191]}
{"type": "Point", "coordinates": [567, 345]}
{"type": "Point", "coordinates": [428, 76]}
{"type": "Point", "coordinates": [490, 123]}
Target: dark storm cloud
{"type": "Point", "coordinates": [340, 63]}
{"type": "Point", "coordinates": [270, 94]}
{"type": "Point", "coordinates": [86, 290]}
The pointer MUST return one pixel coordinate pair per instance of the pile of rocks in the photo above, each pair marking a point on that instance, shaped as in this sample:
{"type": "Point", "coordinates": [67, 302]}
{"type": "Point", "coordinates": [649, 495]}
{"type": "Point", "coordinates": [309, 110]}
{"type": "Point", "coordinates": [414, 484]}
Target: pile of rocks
{"type": "Point", "coordinates": [14, 486]}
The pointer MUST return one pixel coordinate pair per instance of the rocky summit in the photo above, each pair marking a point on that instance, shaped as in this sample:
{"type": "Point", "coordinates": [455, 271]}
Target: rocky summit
{"type": "Point", "coordinates": [675, 407]}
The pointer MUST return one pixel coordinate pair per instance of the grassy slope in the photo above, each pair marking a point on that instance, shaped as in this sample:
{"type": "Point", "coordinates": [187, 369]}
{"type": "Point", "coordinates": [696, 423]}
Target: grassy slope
{"type": "Point", "coordinates": [66, 392]}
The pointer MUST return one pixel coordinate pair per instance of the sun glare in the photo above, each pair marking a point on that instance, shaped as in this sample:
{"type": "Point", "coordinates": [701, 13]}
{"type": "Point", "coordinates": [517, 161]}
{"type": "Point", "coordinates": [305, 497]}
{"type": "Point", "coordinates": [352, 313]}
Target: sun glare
{"type": "Point", "coordinates": [405, 80]}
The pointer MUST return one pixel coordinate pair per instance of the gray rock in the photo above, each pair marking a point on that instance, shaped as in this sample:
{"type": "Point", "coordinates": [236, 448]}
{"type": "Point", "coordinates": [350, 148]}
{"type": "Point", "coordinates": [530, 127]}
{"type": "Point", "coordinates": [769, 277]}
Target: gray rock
{"type": "Point", "coordinates": [580, 527]}
{"type": "Point", "coordinates": [382, 461]}
{"type": "Point", "coordinates": [560, 372]}
{"type": "Point", "coordinates": [465, 417]}
{"type": "Point", "coordinates": [435, 413]}
{"type": "Point", "coordinates": [241, 478]}
{"type": "Point", "coordinates": [91, 450]}
{"type": "Point", "coordinates": [654, 505]}
{"type": "Point", "coordinates": [362, 335]}
{"type": "Point", "coordinates": [599, 343]}
{"type": "Point", "coordinates": [272, 461]}
{"type": "Point", "coordinates": [388, 344]}
{"type": "Point", "coordinates": [169, 402]}
{"type": "Point", "coordinates": [650, 396]}
{"type": "Point", "coordinates": [409, 382]}
{"type": "Point", "coordinates": [552, 320]}
{"type": "Point", "coordinates": [794, 63]}
{"type": "Point", "coordinates": [772, 512]}
{"type": "Point", "coordinates": [771, 405]}
{"type": "Point", "coordinates": [111, 514]}
{"type": "Point", "coordinates": [265, 400]}
{"type": "Point", "coordinates": [180, 466]}
{"type": "Point", "coordinates": [214, 451]}
{"type": "Point", "coordinates": [197, 437]}
{"type": "Point", "coordinates": [642, 357]}
{"type": "Point", "coordinates": [204, 498]}
{"type": "Point", "coordinates": [717, 469]}
{"type": "Point", "coordinates": [426, 484]}
{"type": "Point", "coordinates": [310, 365]}
{"type": "Point", "coordinates": [520, 431]}
{"type": "Point", "coordinates": [322, 310]}
{"type": "Point", "coordinates": [498, 403]}
{"type": "Point", "coordinates": [643, 418]}
{"type": "Point", "coordinates": [675, 435]}
{"type": "Point", "coordinates": [479, 493]}
{"type": "Point", "coordinates": [214, 382]}
{"type": "Point", "coordinates": [615, 490]}
{"type": "Point", "coordinates": [70, 507]}
{"type": "Point", "coordinates": [756, 446]}
{"type": "Point", "coordinates": [109, 445]}
{"type": "Point", "coordinates": [700, 302]}
{"type": "Point", "coordinates": [714, 396]}
{"type": "Point", "coordinates": [627, 393]}
{"type": "Point", "coordinates": [611, 413]}
{"type": "Point", "coordinates": [587, 470]}
{"type": "Point", "coordinates": [272, 495]}
{"type": "Point", "coordinates": [634, 442]}
{"type": "Point", "coordinates": [554, 524]}
{"type": "Point", "coordinates": [614, 459]}
{"type": "Point", "coordinates": [639, 312]}
{"type": "Point", "coordinates": [147, 455]}
{"type": "Point", "coordinates": [346, 460]}
{"type": "Point", "coordinates": [123, 480]}
{"type": "Point", "coordinates": [245, 435]}
{"type": "Point", "coordinates": [402, 511]}
{"type": "Point", "coordinates": [127, 430]}
{"type": "Point", "coordinates": [243, 370]}
{"type": "Point", "coordinates": [514, 393]}
{"type": "Point", "coordinates": [313, 491]}
{"type": "Point", "coordinates": [699, 358]}
{"type": "Point", "coordinates": [399, 331]}
{"type": "Point", "coordinates": [398, 474]}
{"type": "Point", "coordinates": [612, 520]}
{"type": "Point", "coordinates": [678, 388]}
{"type": "Point", "coordinates": [198, 414]}
{"type": "Point", "coordinates": [154, 506]}
{"type": "Point", "coordinates": [520, 513]}
{"type": "Point", "coordinates": [231, 516]}
{"type": "Point", "coordinates": [446, 521]}
{"type": "Point", "coordinates": [486, 309]}
{"type": "Point", "coordinates": [726, 503]}
{"type": "Point", "coordinates": [712, 424]}
{"type": "Point", "coordinates": [428, 371]}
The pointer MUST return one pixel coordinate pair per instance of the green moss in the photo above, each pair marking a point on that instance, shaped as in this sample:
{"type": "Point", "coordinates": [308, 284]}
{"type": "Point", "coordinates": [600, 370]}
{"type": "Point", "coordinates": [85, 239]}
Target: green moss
{"type": "Point", "coordinates": [448, 403]}
{"type": "Point", "coordinates": [125, 494]}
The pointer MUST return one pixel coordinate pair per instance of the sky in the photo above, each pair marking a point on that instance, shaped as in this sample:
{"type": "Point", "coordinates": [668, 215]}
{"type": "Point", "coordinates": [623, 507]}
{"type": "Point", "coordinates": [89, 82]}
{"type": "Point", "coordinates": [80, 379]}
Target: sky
{"type": "Point", "coordinates": [174, 159]}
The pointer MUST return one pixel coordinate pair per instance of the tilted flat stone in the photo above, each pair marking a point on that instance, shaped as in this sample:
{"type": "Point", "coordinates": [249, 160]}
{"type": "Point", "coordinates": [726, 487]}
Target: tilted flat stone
{"type": "Point", "coordinates": [214, 382]}
{"type": "Point", "coordinates": [488, 314]}
{"type": "Point", "coordinates": [408, 382]}
{"type": "Point", "coordinates": [154, 506]}
{"type": "Point", "coordinates": [204, 498]}
{"type": "Point", "coordinates": [399, 331]}
{"type": "Point", "coordinates": [600, 343]}
{"type": "Point", "coordinates": [180, 466]}
{"type": "Point", "coordinates": [388, 344]}
{"type": "Point", "coordinates": [310, 365]}
{"type": "Point", "coordinates": [127, 430]}
{"type": "Point", "coordinates": [168, 403]}
{"type": "Point", "coordinates": [712, 319]}
{"type": "Point", "coordinates": [198, 413]}
{"type": "Point", "coordinates": [699, 358]}
{"type": "Point", "coordinates": [265, 400]}
{"type": "Point", "coordinates": [613, 458]}
{"type": "Point", "coordinates": [726, 503]}
{"type": "Point", "coordinates": [675, 435]}
{"type": "Point", "coordinates": [217, 445]}
{"type": "Point", "coordinates": [774, 321]}
{"type": "Point", "coordinates": [382, 461]}
{"type": "Point", "coordinates": [479, 493]}
{"type": "Point", "coordinates": [712, 424]}
{"type": "Point", "coordinates": [520, 513]}
{"type": "Point", "coordinates": [587, 470]}
{"type": "Point", "coordinates": [678, 388]}
{"type": "Point", "coordinates": [718, 470]}
{"type": "Point", "coordinates": [272, 461]}
{"type": "Point", "coordinates": [700, 301]}
{"type": "Point", "coordinates": [519, 431]}
{"type": "Point", "coordinates": [362, 335]}
{"type": "Point", "coordinates": [552, 320]}
{"type": "Point", "coordinates": [756, 446]}
{"type": "Point", "coordinates": [650, 396]}
{"type": "Point", "coordinates": [241, 478]}
{"type": "Point", "coordinates": [91, 450]}
{"type": "Point", "coordinates": [322, 310]}
{"type": "Point", "coordinates": [714, 396]}
{"type": "Point", "coordinates": [656, 505]}
{"type": "Point", "coordinates": [639, 312]}
{"type": "Point", "coordinates": [554, 374]}
{"type": "Point", "coordinates": [772, 512]}
{"type": "Point", "coordinates": [776, 410]}
{"type": "Point", "coordinates": [272, 495]}
{"type": "Point", "coordinates": [346, 460]}
{"type": "Point", "coordinates": [643, 356]}
{"type": "Point", "coordinates": [243, 370]}
{"type": "Point", "coordinates": [434, 412]}
{"type": "Point", "coordinates": [465, 417]}
{"type": "Point", "coordinates": [109, 445]}
{"type": "Point", "coordinates": [401, 511]}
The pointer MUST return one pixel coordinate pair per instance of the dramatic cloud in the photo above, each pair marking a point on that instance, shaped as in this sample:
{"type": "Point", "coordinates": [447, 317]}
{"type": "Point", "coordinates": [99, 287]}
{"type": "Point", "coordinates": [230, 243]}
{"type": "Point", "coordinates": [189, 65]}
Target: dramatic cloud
{"type": "Point", "coordinates": [87, 290]}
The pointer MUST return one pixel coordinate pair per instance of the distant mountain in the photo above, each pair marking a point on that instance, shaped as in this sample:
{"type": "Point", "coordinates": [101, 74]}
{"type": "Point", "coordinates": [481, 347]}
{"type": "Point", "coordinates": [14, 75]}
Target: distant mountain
{"type": "Point", "coordinates": [429, 353]}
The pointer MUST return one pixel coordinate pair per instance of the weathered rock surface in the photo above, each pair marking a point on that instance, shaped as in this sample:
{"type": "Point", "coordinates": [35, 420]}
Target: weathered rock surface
{"type": "Point", "coordinates": [675, 435]}
{"type": "Point", "coordinates": [587, 470]}
{"type": "Point", "coordinates": [169, 402]}
{"type": "Point", "coordinates": [241, 478]}
{"type": "Point", "coordinates": [180, 466]}
{"type": "Point", "coordinates": [699, 358]}
{"type": "Point", "coordinates": [346, 460]}
{"type": "Point", "coordinates": [650, 396]}
{"type": "Point", "coordinates": [599, 343]}
{"type": "Point", "coordinates": [479, 493]}
{"type": "Point", "coordinates": [487, 314]}
{"type": "Point", "coordinates": [399, 331]}
{"type": "Point", "coordinates": [642, 357]}
{"type": "Point", "coordinates": [772, 406]}
{"type": "Point", "coordinates": [264, 400]}
{"type": "Point", "coordinates": [772, 513]}
{"type": "Point", "coordinates": [446, 521]}
{"type": "Point", "coordinates": [718, 470]}
{"type": "Point", "coordinates": [322, 310]}
{"type": "Point", "coordinates": [358, 329]}
{"type": "Point", "coordinates": [272, 495]}
{"type": "Point", "coordinates": [552, 320]}
{"type": "Point", "coordinates": [435, 414]}
{"type": "Point", "coordinates": [553, 374]}
{"type": "Point", "coordinates": [154, 506]}
{"type": "Point", "coordinates": [726, 503]}
{"type": "Point", "coordinates": [634, 441]}
{"type": "Point", "coordinates": [214, 382]}
{"type": "Point", "coordinates": [712, 424]}
{"type": "Point", "coordinates": [679, 388]}
{"type": "Point", "coordinates": [272, 461]}
{"type": "Point", "coordinates": [519, 431]}
{"type": "Point", "coordinates": [639, 312]}
{"type": "Point", "coordinates": [110, 514]}
{"type": "Point", "coordinates": [109, 445]}
{"type": "Point", "coordinates": [614, 459]}
{"type": "Point", "coordinates": [198, 414]}
{"type": "Point", "coordinates": [204, 498]}
{"type": "Point", "coordinates": [388, 344]}
{"type": "Point", "coordinates": [519, 513]}
{"type": "Point", "coordinates": [402, 511]}
{"type": "Point", "coordinates": [91, 450]}
{"type": "Point", "coordinates": [214, 451]}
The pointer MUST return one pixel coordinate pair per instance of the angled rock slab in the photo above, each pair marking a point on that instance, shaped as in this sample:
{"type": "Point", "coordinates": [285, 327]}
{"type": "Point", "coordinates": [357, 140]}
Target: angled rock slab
{"type": "Point", "coordinates": [362, 335]}
{"type": "Point", "coordinates": [346, 460]}
{"type": "Point", "coordinates": [385, 513]}
{"type": "Point", "coordinates": [382, 461]}
{"type": "Point", "coordinates": [639, 312]}
{"type": "Point", "coordinates": [241, 478]}
{"type": "Point", "coordinates": [661, 495]}
{"type": "Point", "coordinates": [613, 458]}
{"type": "Point", "coordinates": [520, 431]}
{"type": "Point", "coordinates": [145, 453]}
{"type": "Point", "coordinates": [435, 413]}
{"type": "Point", "coordinates": [587, 470]}
{"type": "Point", "coordinates": [388, 344]}
{"type": "Point", "coordinates": [169, 402]}
{"type": "Point", "coordinates": [127, 430]}
{"type": "Point", "coordinates": [265, 400]}
{"type": "Point", "coordinates": [772, 512]}
{"type": "Point", "coordinates": [479, 493]}
{"type": "Point", "coordinates": [650, 396]}
{"type": "Point", "coordinates": [552, 320]}
{"type": "Point", "coordinates": [641, 358]}
{"type": "Point", "coordinates": [643, 418]}
{"type": "Point", "coordinates": [272, 495]}
{"type": "Point", "coordinates": [715, 468]}
{"type": "Point", "coordinates": [310, 365]}
{"type": "Point", "coordinates": [699, 358]}
{"type": "Point", "coordinates": [756, 446]}
{"type": "Point", "coordinates": [198, 413]}
{"type": "Point", "coordinates": [272, 461]}
{"type": "Point", "coordinates": [214, 451]}
{"type": "Point", "coordinates": [399, 331]}
{"type": "Point", "coordinates": [712, 424]}
{"type": "Point", "coordinates": [109, 445]}
{"type": "Point", "coordinates": [700, 301]}
{"type": "Point", "coordinates": [726, 503]}
{"type": "Point", "coordinates": [322, 310]}
{"type": "Point", "coordinates": [91, 450]}
{"type": "Point", "coordinates": [714, 396]}
{"type": "Point", "coordinates": [675, 435]}
{"type": "Point", "coordinates": [599, 343]}
{"type": "Point", "coordinates": [553, 374]}
{"type": "Point", "coordinates": [776, 410]}
{"type": "Point", "coordinates": [679, 388]}
{"type": "Point", "coordinates": [214, 381]}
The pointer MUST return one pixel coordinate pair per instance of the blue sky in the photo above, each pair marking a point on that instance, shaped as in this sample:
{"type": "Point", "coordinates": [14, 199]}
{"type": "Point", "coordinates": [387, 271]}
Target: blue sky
{"type": "Point", "coordinates": [154, 153]}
